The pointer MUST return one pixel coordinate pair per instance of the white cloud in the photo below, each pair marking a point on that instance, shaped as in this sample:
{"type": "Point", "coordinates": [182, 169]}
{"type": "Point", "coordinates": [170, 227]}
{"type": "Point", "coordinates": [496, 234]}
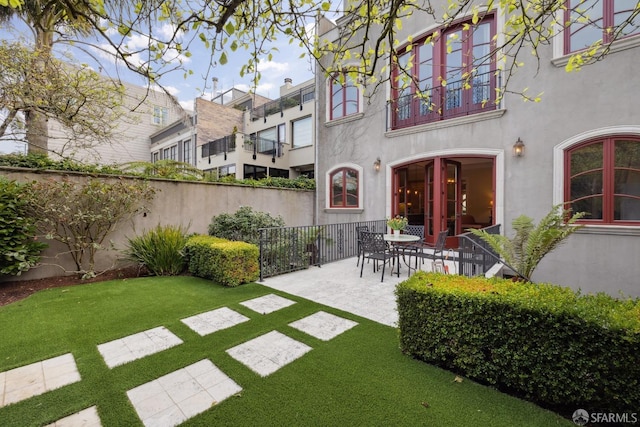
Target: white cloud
{"type": "Point", "coordinates": [273, 67]}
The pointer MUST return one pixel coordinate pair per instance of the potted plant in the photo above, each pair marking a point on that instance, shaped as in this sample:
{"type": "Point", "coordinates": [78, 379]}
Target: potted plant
{"type": "Point", "coordinates": [397, 223]}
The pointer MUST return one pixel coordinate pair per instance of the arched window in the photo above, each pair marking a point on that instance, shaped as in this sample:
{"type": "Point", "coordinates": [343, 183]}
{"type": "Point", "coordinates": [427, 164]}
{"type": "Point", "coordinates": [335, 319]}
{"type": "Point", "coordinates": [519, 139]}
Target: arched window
{"type": "Point", "coordinates": [602, 178]}
{"type": "Point", "coordinates": [345, 96]}
{"type": "Point", "coordinates": [344, 188]}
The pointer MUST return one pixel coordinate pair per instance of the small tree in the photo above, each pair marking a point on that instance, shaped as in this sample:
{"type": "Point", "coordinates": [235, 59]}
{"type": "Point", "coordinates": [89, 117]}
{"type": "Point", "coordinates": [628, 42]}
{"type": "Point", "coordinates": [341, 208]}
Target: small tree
{"type": "Point", "coordinates": [525, 250]}
{"type": "Point", "coordinates": [18, 249]}
{"type": "Point", "coordinates": [82, 215]}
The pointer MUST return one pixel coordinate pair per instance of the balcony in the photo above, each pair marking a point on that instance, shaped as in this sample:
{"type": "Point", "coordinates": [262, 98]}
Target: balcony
{"type": "Point", "coordinates": [456, 99]}
{"type": "Point", "coordinates": [295, 99]}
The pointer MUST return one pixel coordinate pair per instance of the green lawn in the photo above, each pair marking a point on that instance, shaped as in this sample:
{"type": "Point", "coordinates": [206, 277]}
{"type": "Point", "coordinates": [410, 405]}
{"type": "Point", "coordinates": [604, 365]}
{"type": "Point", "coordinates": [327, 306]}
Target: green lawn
{"type": "Point", "coordinates": [357, 378]}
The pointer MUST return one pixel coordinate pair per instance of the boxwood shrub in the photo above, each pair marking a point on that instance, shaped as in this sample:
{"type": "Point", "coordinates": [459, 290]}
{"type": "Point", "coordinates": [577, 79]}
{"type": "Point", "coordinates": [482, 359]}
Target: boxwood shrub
{"type": "Point", "coordinates": [543, 342]}
{"type": "Point", "coordinates": [223, 261]}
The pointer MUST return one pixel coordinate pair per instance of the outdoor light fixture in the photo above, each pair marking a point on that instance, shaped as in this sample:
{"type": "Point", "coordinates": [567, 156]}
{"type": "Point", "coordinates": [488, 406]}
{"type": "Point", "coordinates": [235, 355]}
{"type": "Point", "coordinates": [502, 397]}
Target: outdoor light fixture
{"type": "Point", "coordinates": [518, 148]}
{"type": "Point", "coordinates": [376, 165]}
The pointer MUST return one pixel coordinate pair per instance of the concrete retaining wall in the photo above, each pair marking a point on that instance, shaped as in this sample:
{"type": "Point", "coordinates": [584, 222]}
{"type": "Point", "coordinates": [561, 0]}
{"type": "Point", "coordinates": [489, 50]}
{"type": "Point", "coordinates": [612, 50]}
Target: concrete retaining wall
{"type": "Point", "coordinates": [191, 204]}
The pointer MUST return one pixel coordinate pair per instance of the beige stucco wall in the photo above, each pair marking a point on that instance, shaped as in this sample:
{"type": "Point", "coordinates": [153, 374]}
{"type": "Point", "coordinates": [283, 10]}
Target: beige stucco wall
{"type": "Point", "coordinates": [191, 204]}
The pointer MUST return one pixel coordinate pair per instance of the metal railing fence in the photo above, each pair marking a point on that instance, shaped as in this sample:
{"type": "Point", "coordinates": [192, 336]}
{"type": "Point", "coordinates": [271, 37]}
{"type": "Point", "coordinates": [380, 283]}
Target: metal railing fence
{"type": "Point", "coordinates": [287, 249]}
{"type": "Point", "coordinates": [475, 256]}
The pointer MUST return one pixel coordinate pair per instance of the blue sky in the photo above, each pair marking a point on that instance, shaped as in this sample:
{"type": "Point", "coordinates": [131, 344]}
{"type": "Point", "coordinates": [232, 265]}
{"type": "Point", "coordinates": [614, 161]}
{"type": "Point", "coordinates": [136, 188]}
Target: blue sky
{"type": "Point", "coordinates": [285, 63]}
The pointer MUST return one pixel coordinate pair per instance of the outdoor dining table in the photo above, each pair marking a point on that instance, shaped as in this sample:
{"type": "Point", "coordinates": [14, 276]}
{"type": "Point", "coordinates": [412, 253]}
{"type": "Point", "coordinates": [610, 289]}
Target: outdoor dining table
{"type": "Point", "coordinates": [396, 241]}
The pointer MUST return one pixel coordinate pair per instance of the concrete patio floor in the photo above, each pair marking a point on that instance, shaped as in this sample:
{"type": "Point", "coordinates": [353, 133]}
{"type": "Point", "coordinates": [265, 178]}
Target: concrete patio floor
{"type": "Point", "coordinates": [339, 285]}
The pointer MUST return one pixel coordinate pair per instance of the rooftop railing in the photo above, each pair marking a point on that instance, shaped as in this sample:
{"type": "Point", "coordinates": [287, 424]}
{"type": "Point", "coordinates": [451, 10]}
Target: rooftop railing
{"type": "Point", "coordinates": [295, 99]}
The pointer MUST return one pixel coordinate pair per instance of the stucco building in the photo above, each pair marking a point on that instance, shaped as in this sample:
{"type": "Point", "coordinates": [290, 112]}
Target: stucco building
{"type": "Point", "coordinates": [454, 158]}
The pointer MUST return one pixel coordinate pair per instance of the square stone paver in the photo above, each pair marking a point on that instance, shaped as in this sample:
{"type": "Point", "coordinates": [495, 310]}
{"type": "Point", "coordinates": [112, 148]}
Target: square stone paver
{"type": "Point", "coordinates": [174, 398]}
{"type": "Point", "coordinates": [136, 346]}
{"type": "Point", "coordinates": [85, 418]}
{"type": "Point", "coordinates": [269, 352]}
{"type": "Point", "coordinates": [31, 380]}
{"type": "Point", "coordinates": [322, 325]}
{"type": "Point", "coordinates": [268, 303]}
{"type": "Point", "coordinates": [215, 320]}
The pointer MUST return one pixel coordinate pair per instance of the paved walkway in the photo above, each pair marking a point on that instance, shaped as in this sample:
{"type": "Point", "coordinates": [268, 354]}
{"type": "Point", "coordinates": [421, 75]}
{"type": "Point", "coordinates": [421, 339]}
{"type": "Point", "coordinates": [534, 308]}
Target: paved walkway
{"type": "Point", "coordinates": [340, 286]}
{"type": "Point", "coordinates": [171, 399]}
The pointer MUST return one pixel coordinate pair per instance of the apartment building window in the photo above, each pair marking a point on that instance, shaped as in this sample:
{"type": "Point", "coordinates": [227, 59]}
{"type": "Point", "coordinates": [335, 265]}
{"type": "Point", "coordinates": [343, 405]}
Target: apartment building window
{"type": "Point", "coordinates": [160, 115]}
{"type": "Point", "coordinates": [593, 20]}
{"type": "Point", "coordinates": [227, 170]}
{"type": "Point", "coordinates": [254, 172]}
{"type": "Point", "coordinates": [344, 191]}
{"type": "Point", "coordinates": [170, 153]}
{"type": "Point", "coordinates": [154, 157]}
{"type": "Point", "coordinates": [186, 152]}
{"type": "Point", "coordinates": [445, 74]}
{"type": "Point", "coordinates": [345, 96]}
{"type": "Point", "coordinates": [301, 131]}
{"type": "Point", "coordinates": [602, 178]}
{"type": "Point", "coordinates": [279, 173]}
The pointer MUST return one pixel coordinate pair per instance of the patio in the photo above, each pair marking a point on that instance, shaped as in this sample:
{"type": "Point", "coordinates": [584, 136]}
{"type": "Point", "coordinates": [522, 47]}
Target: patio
{"type": "Point", "coordinates": [338, 284]}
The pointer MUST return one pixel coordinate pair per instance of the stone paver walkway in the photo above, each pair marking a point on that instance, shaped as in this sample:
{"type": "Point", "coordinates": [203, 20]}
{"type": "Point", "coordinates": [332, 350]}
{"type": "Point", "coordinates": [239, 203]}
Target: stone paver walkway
{"type": "Point", "coordinates": [215, 320]}
{"type": "Point", "coordinates": [37, 378]}
{"type": "Point", "coordinates": [85, 418]}
{"type": "Point", "coordinates": [182, 394]}
{"type": "Point", "coordinates": [137, 346]}
{"type": "Point", "coordinates": [268, 303]}
{"type": "Point", "coordinates": [324, 326]}
{"type": "Point", "coordinates": [267, 353]}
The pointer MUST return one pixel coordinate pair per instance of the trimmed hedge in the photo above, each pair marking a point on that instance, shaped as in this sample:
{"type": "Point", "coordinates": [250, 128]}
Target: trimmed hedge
{"type": "Point", "coordinates": [540, 341]}
{"type": "Point", "coordinates": [223, 261]}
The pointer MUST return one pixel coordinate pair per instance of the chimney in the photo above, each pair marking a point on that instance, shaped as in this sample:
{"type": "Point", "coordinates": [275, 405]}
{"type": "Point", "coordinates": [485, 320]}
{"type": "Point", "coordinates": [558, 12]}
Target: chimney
{"type": "Point", "coordinates": [215, 87]}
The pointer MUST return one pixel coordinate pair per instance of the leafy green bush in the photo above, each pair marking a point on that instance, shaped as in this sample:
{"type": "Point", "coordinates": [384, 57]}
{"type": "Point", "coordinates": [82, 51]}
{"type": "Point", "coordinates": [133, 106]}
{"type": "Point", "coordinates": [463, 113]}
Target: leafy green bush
{"type": "Point", "coordinates": [543, 342]}
{"type": "Point", "coordinates": [243, 225]}
{"type": "Point", "coordinates": [160, 250]}
{"type": "Point", "coordinates": [225, 262]}
{"type": "Point", "coordinates": [18, 249]}
{"type": "Point", "coordinates": [42, 162]}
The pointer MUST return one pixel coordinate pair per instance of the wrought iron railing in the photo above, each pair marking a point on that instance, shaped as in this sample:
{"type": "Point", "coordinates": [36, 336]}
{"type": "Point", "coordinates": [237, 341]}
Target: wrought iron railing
{"type": "Point", "coordinates": [287, 249]}
{"type": "Point", "coordinates": [475, 256]}
{"type": "Point", "coordinates": [458, 98]}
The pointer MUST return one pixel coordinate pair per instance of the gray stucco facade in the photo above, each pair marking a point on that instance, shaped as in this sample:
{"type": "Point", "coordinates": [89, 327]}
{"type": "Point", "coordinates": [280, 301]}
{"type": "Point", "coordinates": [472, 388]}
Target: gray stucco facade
{"type": "Point", "coordinates": [601, 100]}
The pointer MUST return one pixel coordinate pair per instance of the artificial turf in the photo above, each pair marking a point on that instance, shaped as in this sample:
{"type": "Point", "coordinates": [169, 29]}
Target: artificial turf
{"type": "Point", "coordinates": [359, 378]}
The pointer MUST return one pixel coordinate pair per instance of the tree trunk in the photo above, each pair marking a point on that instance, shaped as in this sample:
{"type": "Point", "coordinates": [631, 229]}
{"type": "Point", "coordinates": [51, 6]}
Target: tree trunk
{"type": "Point", "coordinates": [37, 131]}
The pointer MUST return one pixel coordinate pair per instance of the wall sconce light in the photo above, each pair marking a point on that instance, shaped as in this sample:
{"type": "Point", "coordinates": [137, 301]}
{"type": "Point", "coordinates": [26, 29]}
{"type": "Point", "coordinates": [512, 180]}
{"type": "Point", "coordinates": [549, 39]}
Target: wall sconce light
{"type": "Point", "coordinates": [518, 148]}
{"type": "Point", "coordinates": [376, 165]}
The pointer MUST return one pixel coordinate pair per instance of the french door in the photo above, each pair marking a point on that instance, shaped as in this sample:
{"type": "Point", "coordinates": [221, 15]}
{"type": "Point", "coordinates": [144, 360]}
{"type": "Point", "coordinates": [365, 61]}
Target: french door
{"type": "Point", "coordinates": [444, 208]}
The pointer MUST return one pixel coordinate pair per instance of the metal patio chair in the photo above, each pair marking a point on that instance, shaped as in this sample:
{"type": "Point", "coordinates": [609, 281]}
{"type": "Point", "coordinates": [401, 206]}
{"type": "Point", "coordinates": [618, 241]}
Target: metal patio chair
{"type": "Point", "coordinates": [375, 248]}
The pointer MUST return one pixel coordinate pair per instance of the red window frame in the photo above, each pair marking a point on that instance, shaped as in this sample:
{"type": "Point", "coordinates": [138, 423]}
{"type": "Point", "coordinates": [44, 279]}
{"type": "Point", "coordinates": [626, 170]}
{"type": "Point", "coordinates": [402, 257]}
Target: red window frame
{"type": "Point", "coordinates": [342, 82]}
{"type": "Point", "coordinates": [410, 112]}
{"type": "Point", "coordinates": [344, 196]}
{"type": "Point", "coordinates": [607, 168]}
{"type": "Point", "coordinates": [608, 21]}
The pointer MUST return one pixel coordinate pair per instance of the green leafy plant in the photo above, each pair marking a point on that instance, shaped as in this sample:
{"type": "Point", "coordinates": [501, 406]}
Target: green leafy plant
{"type": "Point", "coordinates": [397, 223]}
{"type": "Point", "coordinates": [524, 251]}
{"type": "Point", "coordinates": [18, 250]}
{"type": "Point", "coordinates": [160, 250]}
{"type": "Point", "coordinates": [166, 168]}
{"type": "Point", "coordinates": [81, 214]}
{"type": "Point", "coordinates": [243, 225]}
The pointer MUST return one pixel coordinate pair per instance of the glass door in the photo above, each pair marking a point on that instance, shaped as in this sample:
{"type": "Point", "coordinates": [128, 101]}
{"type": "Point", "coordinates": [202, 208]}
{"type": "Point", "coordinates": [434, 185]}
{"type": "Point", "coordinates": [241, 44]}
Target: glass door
{"type": "Point", "coordinates": [452, 192]}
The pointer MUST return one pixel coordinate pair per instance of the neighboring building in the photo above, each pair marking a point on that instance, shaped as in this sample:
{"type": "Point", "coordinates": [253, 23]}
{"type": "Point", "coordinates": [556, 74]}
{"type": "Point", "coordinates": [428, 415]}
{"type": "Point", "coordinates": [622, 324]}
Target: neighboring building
{"type": "Point", "coordinates": [455, 159]}
{"type": "Point", "coordinates": [150, 112]}
{"type": "Point", "coordinates": [253, 137]}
